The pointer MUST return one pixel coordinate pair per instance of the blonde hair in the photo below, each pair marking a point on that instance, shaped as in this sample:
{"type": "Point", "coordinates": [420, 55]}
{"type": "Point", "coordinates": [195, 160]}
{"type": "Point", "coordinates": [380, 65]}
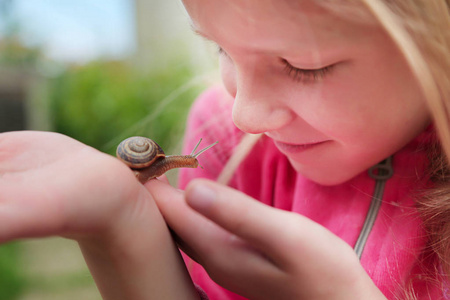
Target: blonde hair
{"type": "Point", "coordinates": [421, 30]}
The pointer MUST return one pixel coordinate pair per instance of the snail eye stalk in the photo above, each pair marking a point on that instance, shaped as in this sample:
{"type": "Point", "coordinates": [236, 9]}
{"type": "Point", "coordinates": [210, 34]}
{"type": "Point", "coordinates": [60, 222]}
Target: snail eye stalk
{"type": "Point", "coordinates": [203, 150]}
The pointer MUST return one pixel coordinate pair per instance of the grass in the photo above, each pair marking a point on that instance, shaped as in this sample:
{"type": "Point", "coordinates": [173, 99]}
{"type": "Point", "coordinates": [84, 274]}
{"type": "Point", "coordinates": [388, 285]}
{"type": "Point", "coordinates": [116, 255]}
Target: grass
{"type": "Point", "coordinates": [11, 279]}
{"type": "Point", "coordinates": [54, 268]}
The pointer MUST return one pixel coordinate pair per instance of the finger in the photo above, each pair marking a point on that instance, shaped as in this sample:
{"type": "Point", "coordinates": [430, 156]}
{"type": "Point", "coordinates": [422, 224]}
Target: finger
{"type": "Point", "coordinates": [229, 261]}
{"type": "Point", "coordinates": [265, 228]}
{"type": "Point", "coordinates": [164, 179]}
{"type": "Point", "coordinates": [184, 221]}
{"type": "Point", "coordinates": [203, 239]}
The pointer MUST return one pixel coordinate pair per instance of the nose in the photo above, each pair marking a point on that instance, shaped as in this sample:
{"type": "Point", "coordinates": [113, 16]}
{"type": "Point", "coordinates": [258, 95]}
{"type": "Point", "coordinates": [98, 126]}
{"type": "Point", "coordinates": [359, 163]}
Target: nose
{"type": "Point", "coordinates": [258, 106]}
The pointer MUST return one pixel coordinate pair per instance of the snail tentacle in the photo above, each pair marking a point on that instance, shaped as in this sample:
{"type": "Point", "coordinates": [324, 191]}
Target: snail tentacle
{"type": "Point", "coordinates": [203, 150]}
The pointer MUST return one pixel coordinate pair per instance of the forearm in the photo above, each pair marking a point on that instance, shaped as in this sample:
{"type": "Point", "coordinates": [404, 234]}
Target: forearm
{"type": "Point", "coordinates": [139, 261]}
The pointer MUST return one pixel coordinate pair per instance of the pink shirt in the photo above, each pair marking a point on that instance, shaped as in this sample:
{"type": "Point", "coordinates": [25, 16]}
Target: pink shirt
{"type": "Point", "coordinates": [395, 246]}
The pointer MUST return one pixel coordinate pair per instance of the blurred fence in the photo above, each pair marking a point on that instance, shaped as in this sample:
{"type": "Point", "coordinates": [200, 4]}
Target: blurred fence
{"type": "Point", "coordinates": [22, 100]}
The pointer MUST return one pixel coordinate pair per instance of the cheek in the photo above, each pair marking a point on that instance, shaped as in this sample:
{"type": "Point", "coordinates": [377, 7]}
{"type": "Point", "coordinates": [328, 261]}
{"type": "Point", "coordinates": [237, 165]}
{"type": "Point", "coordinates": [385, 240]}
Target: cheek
{"type": "Point", "coordinates": [228, 75]}
{"type": "Point", "coordinates": [379, 118]}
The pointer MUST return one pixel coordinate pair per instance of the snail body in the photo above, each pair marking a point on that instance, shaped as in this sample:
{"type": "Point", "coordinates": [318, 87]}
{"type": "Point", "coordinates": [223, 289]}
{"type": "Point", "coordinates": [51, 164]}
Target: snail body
{"type": "Point", "coordinates": [146, 158]}
{"type": "Point", "coordinates": [161, 166]}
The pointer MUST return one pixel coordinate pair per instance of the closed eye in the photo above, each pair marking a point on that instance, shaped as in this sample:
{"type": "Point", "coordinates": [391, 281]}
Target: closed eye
{"type": "Point", "coordinates": [306, 75]}
{"type": "Point", "coordinates": [300, 75]}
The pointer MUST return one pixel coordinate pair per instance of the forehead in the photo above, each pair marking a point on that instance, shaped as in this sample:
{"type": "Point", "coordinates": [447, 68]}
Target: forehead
{"type": "Point", "coordinates": [268, 23]}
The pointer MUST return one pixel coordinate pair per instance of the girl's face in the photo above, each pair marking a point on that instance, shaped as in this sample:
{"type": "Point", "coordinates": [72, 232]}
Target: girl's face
{"type": "Point", "coordinates": [333, 93]}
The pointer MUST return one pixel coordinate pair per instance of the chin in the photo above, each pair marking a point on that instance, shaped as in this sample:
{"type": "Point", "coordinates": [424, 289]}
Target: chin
{"type": "Point", "coordinates": [326, 176]}
{"type": "Point", "coordinates": [327, 180]}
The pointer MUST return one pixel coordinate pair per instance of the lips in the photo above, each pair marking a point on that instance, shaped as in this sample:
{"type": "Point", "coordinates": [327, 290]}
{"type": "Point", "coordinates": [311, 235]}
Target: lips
{"type": "Point", "coordinates": [296, 148]}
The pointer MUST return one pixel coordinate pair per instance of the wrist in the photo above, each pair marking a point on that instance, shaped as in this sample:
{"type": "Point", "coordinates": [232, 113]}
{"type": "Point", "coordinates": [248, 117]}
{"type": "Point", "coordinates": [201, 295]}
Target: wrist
{"type": "Point", "coordinates": [135, 257]}
{"type": "Point", "coordinates": [362, 286]}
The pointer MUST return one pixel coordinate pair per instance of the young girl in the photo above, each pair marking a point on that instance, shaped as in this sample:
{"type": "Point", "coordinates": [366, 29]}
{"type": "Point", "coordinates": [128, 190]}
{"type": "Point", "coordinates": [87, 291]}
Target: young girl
{"type": "Point", "coordinates": [345, 98]}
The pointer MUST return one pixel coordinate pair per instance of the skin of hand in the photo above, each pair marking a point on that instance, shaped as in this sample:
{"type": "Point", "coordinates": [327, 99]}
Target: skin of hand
{"type": "Point", "coordinates": [53, 185]}
{"type": "Point", "coordinates": [257, 251]}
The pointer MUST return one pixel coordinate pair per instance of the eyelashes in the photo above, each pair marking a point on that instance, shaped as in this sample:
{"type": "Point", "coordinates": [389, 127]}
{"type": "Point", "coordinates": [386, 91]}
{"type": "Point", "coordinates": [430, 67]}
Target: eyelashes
{"type": "Point", "coordinates": [297, 74]}
{"type": "Point", "coordinates": [306, 75]}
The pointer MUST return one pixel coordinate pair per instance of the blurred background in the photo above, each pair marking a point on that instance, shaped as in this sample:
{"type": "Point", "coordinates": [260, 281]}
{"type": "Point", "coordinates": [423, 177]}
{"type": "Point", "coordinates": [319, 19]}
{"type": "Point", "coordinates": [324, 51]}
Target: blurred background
{"type": "Point", "coordinates": [98, 71]}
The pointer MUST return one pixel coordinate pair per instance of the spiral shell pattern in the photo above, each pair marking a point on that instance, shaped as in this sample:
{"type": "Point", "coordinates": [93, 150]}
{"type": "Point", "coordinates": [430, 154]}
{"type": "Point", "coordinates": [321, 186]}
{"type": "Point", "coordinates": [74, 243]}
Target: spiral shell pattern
{"type": "Point", "coordinates": [139, 152]}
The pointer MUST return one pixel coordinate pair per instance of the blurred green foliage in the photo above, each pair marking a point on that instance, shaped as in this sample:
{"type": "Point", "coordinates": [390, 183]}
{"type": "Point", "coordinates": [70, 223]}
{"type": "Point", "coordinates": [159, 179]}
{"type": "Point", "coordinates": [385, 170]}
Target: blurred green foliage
{"type": "Point", "coordinates": [14, 53]}
{"type": "Point", "coordinates": [104, 102]}
{"type": "Point", "coordinates": [11, 281]}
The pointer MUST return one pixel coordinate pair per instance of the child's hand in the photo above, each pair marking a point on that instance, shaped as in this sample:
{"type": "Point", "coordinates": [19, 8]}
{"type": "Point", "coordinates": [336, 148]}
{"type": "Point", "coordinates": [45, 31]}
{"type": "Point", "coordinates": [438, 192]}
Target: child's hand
{"type": "Point", "coordinates": [53, 185]}
{"type": "Point", "coordinates": [260, 252]}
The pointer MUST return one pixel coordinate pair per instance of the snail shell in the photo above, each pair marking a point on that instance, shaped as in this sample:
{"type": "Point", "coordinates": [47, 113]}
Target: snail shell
{"type": "Point", "coordinates": [139, 152]}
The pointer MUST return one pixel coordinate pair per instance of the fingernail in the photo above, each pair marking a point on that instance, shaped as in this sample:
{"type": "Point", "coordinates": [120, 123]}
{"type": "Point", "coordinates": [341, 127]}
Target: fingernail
{"type": "Point", "coordinates": [201, 197]}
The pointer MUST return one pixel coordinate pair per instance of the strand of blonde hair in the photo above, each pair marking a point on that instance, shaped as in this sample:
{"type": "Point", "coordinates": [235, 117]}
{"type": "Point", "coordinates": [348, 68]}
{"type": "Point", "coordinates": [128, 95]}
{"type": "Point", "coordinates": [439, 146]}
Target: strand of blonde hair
{"type": "Point", "coordinates": [239, 154]}
{"type": "Point", "coordinates": [418, 65]}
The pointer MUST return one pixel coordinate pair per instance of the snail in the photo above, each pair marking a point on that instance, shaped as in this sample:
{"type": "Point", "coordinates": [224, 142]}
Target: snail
{"type": "Point", "coordinates": [147, 159]}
